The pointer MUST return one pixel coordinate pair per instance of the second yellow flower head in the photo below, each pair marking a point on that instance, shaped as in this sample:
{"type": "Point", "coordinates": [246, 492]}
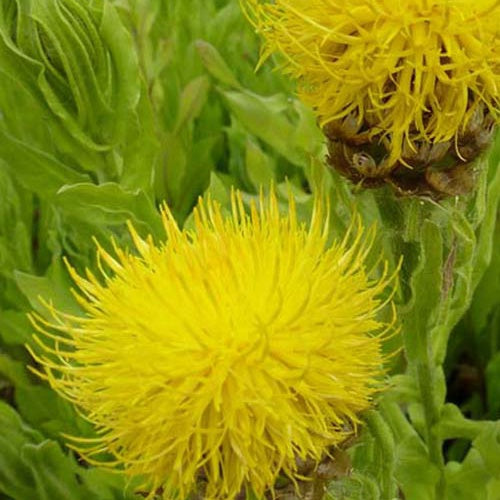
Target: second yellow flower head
{"type": "Point", "coordinates": [399, 74]}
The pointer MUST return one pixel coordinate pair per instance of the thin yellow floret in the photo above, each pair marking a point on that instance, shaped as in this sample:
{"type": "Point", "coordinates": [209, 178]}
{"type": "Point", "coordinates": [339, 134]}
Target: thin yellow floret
{"type": "Point", "coordinates": [410, 69]}
{"type": "Point", "coordinates": [222, 354]}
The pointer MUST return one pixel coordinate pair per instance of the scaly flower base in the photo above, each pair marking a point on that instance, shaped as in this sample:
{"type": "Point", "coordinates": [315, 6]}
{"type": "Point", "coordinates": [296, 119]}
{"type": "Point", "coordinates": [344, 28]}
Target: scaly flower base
{"type": "Point", "coordinates": [436, 170]}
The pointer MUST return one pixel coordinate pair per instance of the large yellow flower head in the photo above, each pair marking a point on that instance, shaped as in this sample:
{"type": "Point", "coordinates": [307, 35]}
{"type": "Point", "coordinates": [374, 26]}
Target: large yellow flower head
{"type": "Point", "coordinates": [225, 353]}
{"type": "Point", "coordinates": [400, 71]}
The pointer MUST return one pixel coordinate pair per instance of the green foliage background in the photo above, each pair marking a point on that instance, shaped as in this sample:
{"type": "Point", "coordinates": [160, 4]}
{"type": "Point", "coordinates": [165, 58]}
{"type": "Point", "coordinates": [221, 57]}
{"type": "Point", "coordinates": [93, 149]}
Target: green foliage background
{"type": "Point", "coordinates": [107, 109]}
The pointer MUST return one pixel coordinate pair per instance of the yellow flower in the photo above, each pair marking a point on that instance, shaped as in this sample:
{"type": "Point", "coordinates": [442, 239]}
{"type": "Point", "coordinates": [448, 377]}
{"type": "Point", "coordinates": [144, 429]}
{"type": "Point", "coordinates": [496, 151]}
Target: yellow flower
{"type": "Point", "coordinates": [223, 354]}
{"type": "Point", "coordinates": [406, 70]}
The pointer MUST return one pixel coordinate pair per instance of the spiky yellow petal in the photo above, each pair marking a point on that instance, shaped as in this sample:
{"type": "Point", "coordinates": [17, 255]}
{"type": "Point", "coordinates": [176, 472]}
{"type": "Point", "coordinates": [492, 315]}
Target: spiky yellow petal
{"type": "Point", "coordinates": [409, 70]}
{"type": "Point", "coordinates": [224, 353]}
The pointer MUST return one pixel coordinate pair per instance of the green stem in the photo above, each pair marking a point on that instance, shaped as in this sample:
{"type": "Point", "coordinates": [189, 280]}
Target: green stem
{"type": "Point", "coordinates": [385, 441]}
{"type": "Point", "coordinates": [431, 406]}
{"type": "Point", "coordinates": [399, 424]}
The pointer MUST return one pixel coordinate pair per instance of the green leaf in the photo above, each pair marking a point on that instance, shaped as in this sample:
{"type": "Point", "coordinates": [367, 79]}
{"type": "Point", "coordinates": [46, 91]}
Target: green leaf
{"type": "Point", "coordinates": [196, 177]}
{"type": "Point", "coordinates": [493, 385]}
{"type": "Point", "coordinates": [55, 475]}
{"type": "Point", "coordinates": [16, 218]}
{"type": "Point", "coordinates": [425, 286]}
{"type": "Point", "coordinates": [73, 68]}
{"type": "Point", "coordinates": [215, 64]}
{"type": "Point", "coordinates": [15, 328]}
{"type": "Point", "coordinates": [264, 118]}
{"type": "Point", "coordinates": [16, 479]}
{"type": "Point", "coordinates": [13, 370]}
{"type": "Point", "coordinates": [35, 169]}
{"type": "Point", "coordinates": [487, 295]}
{"type": "Point", "coordinates": [141, 149]}
{"type": "Point", "coordinates": [34, 468]}
{"type": "Point", "coordinates": [43, 409]}
{"type": "Point", "coordinates": [192, 100]}
{"type": "Point", "coordinates": [122, 49]}
{"type": "Point", "coordinates": [106, 485]}
{"type": "Point", "coordinates": [493, 489]}
{"type": "Point", "coordinates": [488, 445]}
{"type": "Point", "coordinates": [259, 166]}
{"type": "Point", "coordinates": [307, 134]}
{"type": "Point", "coordinates": [453, 424]}
{"type": "Point", "coordinates": [53, 288]}
{"type": "Point", "coordinates": [467, 480]}
{"type": "Point", "coordinates": [416, 475]}
{"type": "Point", "coordinates": [385, 448]}
{"type": "Point", "coordinates": [219, 190]}
{"type": "Point", "coordinates": [109, 205]}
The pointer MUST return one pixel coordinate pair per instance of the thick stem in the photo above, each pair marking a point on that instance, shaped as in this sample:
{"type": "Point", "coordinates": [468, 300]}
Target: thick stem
{"type": "Point", "coordinates": [431, 410]}
{"type": "Point", "coordinates": [385, 441]}
{"type": "Point", "coordinates": [431, 407]}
